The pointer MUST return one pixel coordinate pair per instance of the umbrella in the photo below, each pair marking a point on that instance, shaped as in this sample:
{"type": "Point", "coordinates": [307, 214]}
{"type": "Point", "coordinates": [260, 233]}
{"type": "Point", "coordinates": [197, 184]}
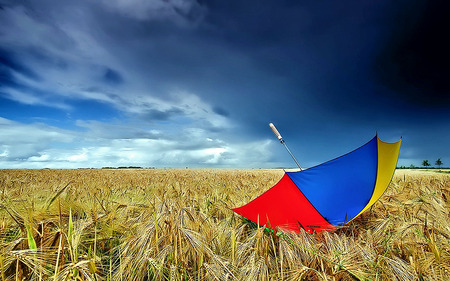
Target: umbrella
{"type": "Point", "coordinates": [328, 195]}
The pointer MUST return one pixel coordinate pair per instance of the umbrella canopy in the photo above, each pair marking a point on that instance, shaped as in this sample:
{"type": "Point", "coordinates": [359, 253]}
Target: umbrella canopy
{"type": "Point", "coordinates": [328, 195]}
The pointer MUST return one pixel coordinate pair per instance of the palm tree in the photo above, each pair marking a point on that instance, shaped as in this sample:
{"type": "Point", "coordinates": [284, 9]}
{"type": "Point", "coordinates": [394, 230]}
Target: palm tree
{"type": "Point", "coordinates": [439, 163]}
{"type": "Point", "coordinates": [425, 163]}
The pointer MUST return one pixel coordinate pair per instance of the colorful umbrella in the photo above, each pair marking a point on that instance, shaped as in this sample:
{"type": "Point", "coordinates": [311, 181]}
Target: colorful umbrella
{"type": "Point", "coordinates": [328, 195]}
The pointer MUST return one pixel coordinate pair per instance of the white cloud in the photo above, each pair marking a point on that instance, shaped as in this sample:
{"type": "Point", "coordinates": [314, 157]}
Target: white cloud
{"type": "Point", "coordinates": [21, 141]}
{"type": "Point", "coordinates": [82, 157]}
{"type": "Point", "coordinates": [38, 146]}
{"type": "Point", "coordinates": [214, 154]}
{"type": "Point", "coordinates": [40, 158]}
{"type": "Point", "coordinates": [56, 57]}
{"type": "Point", "coordinates": [33, 99]}
{"type": "Point", "coordinates": [13, 132]}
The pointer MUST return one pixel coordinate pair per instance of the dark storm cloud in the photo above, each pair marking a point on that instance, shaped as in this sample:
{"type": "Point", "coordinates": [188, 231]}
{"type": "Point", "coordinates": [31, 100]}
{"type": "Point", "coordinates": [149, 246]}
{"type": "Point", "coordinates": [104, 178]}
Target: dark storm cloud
{"type": "Point", "coordinates": [9, 64]}
{"type": "Point", "coordinates": [161, 115]}
{"type": "Point", "coordinates": [221, 111]}
{"type": "Point", "coordinates": [302, 52]}
{"type": "Point", "coordinates": [112, 77]}
{"type": "Point", "coordinates": [415, 62]}
{"type": "Point", "coordinates": [304, 60]}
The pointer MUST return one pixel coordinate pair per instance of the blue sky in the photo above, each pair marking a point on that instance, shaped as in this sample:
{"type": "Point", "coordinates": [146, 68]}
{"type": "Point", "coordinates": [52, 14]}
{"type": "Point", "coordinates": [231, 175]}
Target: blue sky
{"type": "Point", "coordinates": [184, 83]}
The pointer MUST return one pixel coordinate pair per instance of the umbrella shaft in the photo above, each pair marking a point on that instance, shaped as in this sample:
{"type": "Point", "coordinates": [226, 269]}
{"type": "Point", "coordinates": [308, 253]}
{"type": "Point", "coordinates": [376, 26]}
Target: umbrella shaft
{"type": "Point", "coordinates": [292, 155]}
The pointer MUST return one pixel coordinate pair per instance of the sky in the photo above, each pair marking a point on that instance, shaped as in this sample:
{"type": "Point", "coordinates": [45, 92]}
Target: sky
{"type": "Point", "coordinates": [185, 83]}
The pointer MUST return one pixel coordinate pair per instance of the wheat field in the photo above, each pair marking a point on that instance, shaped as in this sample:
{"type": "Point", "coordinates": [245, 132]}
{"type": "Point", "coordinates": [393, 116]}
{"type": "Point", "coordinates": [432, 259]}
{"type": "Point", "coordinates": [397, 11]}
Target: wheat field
{"type": "Point", "coordinates": [174, 224]}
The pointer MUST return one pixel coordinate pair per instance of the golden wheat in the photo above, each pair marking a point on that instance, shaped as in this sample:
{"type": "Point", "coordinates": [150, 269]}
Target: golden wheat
{"type": "Point", "coordinates": [177, 225]}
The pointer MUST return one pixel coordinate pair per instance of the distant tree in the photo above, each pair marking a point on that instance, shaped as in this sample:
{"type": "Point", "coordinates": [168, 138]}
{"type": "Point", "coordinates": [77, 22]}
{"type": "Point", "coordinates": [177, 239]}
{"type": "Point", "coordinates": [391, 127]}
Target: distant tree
{"type": "Point", "coordinates": [425, 163]}
{"type": "Point", "coordinates": [438, 163]}
{"type": "Point", "coordinates": [412, 166]}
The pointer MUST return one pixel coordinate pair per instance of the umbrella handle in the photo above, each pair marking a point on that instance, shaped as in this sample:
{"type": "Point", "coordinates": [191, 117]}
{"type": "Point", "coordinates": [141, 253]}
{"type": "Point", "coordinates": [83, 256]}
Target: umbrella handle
{"type": "Point", "coordinates": [275, 131]}
{"type": "Point", "coordinates": [280, 138]}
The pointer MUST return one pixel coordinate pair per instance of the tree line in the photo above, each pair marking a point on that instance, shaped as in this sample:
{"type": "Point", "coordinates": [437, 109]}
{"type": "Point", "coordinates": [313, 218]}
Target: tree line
{"type": "Point", "coordinates": [438, 163]}
{"type": "Point", "coordinates": [425, 164]}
